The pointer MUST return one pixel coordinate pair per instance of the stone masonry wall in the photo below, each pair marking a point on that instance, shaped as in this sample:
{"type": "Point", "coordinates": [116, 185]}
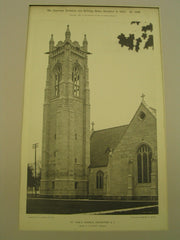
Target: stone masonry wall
{"type": "Point", "coordinates": [139, 132]}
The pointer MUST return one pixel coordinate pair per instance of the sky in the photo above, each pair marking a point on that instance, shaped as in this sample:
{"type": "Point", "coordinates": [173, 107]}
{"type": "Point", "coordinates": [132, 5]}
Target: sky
{"type": "Point", "coordinates": [117, 76]}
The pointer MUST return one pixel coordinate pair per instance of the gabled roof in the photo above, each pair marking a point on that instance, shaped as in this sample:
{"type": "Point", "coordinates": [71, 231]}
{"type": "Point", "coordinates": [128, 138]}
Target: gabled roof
{"type": "Point", "coordinates": [102, 142]}
{"type": "Point", "coordinates": [151, 110]}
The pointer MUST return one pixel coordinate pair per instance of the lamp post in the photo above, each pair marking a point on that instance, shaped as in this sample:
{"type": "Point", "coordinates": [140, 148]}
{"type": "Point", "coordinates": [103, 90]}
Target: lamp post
{"type": "Point", "coordinates": [35, 146]}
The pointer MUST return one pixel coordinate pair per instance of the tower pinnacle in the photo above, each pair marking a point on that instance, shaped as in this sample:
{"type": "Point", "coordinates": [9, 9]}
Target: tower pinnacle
{"type": "Point", "coordinates": [92, 129]}
{"type": "Point", "coordinates": [68, 33]}
{"type": "Point", "coordinates": [85, 42]}
{"type": "Point", "coordinates": [52, 40]}
{"type": "Point", "coordinates": [51, 43]}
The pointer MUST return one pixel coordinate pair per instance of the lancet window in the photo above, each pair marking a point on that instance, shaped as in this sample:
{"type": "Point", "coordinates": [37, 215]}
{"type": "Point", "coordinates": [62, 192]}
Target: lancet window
{"type": "Point", "coordinates": [99, 180]}
{"type": "Point", "coordinates": [144, 159]}
{"type": "Point", "coordinates": [76, 81]}
{"type": "Point", "coordinates": [57, 83]}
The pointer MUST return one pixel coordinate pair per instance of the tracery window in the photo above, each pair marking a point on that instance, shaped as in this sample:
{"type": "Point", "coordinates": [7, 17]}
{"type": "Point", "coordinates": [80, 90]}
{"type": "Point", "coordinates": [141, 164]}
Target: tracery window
{"type": "Point", "coordinates": [144, 158]}
{"type": "Point", "coordinates": [76, 81]}
{"type": "Point", "coordinates": [99, 180]}
{"type": "Point", "coordinates": [57, 83]}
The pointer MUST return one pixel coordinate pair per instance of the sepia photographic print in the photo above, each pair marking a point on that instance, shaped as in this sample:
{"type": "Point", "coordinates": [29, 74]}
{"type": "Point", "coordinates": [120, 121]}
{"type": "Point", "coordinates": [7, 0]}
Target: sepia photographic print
{"type": "Point", "coordinates": [93, 145]}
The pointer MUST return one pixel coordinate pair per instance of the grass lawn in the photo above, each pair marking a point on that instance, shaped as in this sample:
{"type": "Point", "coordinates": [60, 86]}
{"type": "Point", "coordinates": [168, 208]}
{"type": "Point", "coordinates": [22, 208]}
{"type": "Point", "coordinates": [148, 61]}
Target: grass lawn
{"type": "Point", "coordinates": [63, 206]}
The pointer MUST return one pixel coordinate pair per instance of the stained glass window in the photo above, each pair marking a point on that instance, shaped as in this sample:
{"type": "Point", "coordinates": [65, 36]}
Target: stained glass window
{"type": "Point", "coordinates": [144, 158]}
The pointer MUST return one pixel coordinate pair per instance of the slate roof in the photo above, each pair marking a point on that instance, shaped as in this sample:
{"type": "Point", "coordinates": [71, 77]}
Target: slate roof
{"type": "Point", "coordinates": [101, 143]}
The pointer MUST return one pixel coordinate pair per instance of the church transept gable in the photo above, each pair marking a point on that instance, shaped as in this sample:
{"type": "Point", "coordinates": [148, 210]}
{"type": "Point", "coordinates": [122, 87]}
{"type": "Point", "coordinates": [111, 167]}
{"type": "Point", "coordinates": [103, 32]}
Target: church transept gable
{"type": "Point", "coordinates": [142, 128]}
{"type": "Point", "coordinates": [138, 146]}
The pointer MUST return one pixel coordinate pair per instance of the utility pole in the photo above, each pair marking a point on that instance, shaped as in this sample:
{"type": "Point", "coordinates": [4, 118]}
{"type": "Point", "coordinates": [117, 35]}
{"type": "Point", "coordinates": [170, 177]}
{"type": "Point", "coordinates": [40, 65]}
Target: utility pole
{"type": "Point", "coordinates": [35, 146]}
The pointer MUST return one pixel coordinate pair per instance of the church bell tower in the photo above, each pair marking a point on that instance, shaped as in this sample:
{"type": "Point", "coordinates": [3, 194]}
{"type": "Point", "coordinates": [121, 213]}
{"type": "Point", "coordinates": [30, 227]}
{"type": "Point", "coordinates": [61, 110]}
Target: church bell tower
{"type": "Point", "coordinates": [66, 120]}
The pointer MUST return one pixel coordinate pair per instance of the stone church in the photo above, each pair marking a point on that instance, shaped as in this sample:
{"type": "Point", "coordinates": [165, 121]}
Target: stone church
{"type": "Point", "coordinates": [114, 163]}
